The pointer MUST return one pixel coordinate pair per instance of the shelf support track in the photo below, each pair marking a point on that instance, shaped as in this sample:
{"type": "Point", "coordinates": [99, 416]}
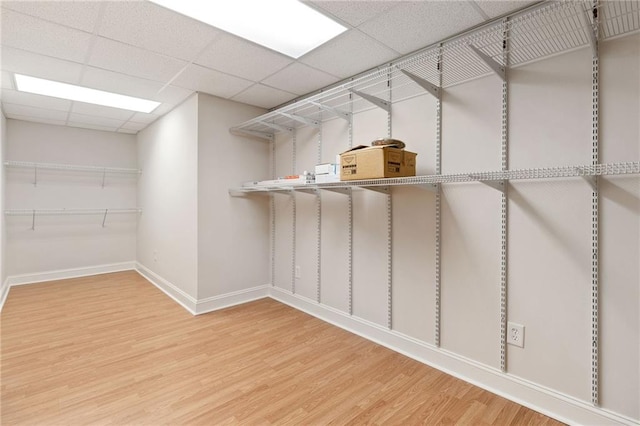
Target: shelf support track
{"type": "Point", "coordinates": [491, 63]}
{"type": "Point", "coordinates": [338, 113]}
{"type": "Point", "coordinates": [381, 103]}
{"type": "Point", "coordinates": [300, 119]}
{"type": "Point", "coordinates": [430, 88]}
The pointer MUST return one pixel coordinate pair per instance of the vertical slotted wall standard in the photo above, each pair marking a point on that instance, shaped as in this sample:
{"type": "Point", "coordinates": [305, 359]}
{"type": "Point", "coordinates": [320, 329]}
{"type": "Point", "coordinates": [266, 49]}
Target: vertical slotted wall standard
{"type": "Point", "coordinates": [595, 206]}
{"type": "Point", "coordinates": [319, 220]}
{"type": "Point", "coordinates": [503, 200]}
{"type": "Point", "coordinates": [293, 214]}
{"type": "Point", "coordinates": [272, 207]}
{"type": "Point", "coordinates": [389, 221]}
{"type": "Point", "coordinates": [438, 231]}
{"type": "Point", "coordinates": [350, 211]}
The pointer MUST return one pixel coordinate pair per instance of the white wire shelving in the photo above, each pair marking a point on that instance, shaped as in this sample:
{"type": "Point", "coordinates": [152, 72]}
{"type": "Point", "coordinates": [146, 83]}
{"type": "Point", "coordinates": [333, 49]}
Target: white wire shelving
{"type": "Point", "coordinates": [544, 30]}
{"type": "Point", "coordinates": [104, 212]}
{"type": "Point", "coordinates": [587, 172]}
{"type": "Point", "coordinates": [104, 171]}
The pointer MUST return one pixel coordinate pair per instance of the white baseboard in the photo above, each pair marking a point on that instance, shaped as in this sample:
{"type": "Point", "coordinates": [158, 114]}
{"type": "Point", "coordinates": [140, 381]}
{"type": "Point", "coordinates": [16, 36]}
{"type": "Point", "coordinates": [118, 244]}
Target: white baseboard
{"type": "Point", "coordinates": [187, 301]}
{"type": "Point", "coordinates": [553, 404]}
{"type": "Point", "coordinates": [227, 300]}
{"type": "Point", "coordinates": [64, 274]}
{"type": "Point", "coordinates": [4, 292]}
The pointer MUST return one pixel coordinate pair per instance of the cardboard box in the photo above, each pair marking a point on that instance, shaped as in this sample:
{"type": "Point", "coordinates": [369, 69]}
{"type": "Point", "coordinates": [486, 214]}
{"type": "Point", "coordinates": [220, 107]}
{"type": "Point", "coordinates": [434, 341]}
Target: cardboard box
{"type": "Point", "coordinates": [371, 162]}
{"type": "Point", "coordinates": [326, 168]}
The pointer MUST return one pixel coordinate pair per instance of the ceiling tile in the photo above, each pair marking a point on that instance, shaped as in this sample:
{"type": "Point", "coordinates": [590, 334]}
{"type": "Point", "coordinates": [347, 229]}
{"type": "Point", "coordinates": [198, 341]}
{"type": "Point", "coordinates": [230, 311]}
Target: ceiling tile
{"type": "Point", "coordinates": [35, 35]}
{"type": "Point", "coordinates": [201, 79]}
{"type": "Point", "coordinates": [38, 101]}
{"type": "Point", "coordinates": [263, 96]}
{"type": "Point", "coordinates": [495, 8]}
{"type": "Point", "coordinates": [142, 117]}
{"type": "Point", "coordinates": [350, 53]}
{"type": "Point", "coordinates": [300, 79]}
{"type": "Point", "coordinates": [83, 125]}
{"type": "Point", "coordinates": [155, 28]}
{"type": "Point", "coordinates": [128, 131]}
{"type": "Point", "coordinates": [133, 61]}
{"type": "Point", "coordinates": [236, 56]}
{"type": "Point", "coordinates": [116, 82]}
{"type": "Point", "coordinates": [35, 119]}
{"type": "Point", "coordinates": [413, 25]}
{"type": "Point", "coordinates": [131, 125]}
{"type": "Point", "coordinates": [29, 111]}
{"type": "Point", "coordinates": [81, 15]}
{"type": "Point", "coordinates": [23, 62]}
{"type": "Point", "coordinates": [101, 111]}
{"type": "Point", "coordinates": [7, 80]}
{"type": "Point", "coordinates": [353, 13]}
{"type": "Point", "coordinates": [95, 120]}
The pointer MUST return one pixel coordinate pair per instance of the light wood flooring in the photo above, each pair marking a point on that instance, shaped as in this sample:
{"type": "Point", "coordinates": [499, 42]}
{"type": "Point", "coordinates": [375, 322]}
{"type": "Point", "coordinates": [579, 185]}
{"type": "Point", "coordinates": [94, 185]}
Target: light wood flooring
{"type": "Point", "coordinates": [114, 350]}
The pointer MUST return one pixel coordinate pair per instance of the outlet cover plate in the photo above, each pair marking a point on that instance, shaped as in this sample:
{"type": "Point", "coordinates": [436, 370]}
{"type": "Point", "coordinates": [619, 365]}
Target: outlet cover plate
{"type": "Point", "coordinates": [515, 334]}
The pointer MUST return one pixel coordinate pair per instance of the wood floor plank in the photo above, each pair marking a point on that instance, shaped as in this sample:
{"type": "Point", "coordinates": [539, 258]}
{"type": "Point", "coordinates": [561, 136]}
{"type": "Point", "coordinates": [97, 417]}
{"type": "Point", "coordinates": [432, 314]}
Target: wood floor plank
{"type": "Point", "coordinates": [114, 350]}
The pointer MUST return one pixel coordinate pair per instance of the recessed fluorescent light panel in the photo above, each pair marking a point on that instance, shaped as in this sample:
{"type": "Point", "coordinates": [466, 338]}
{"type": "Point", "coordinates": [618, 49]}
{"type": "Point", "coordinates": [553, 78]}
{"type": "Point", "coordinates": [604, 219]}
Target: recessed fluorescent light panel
{"type": "Point", "coordinates": [287, 26]}
{"type": "Point", "coordinates": [72, 92]}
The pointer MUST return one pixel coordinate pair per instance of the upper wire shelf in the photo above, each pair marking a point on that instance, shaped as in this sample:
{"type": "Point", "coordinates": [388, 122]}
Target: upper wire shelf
{"type": "Point", "coordinates": [584, 171]}
{"type": "Point", "coordinates": [538, 32]}
{"type": "Point", "coordinates": [70, 167]}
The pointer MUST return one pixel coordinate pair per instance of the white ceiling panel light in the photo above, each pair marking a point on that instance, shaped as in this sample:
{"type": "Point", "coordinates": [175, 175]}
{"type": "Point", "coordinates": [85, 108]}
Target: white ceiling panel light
{"type": "Point", "coordinates": [286, 26]}
{"type": "Point", "coordinates": [72, 92]}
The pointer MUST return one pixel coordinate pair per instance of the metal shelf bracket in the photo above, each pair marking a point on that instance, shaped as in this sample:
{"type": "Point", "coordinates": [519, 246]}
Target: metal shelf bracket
{"type": "Point", "coordinates": [300, 119]}
{"type": "Point", "coordinates": [495, 184]}
{"type": "Point", "coordinates": [343, 191]}
{"type": "Point", "coordinates": [312, 191]}
{"type": "Point", "coordinates": [495, 67]}
{"type": "Point", "coordinates": [432, 187]}
{"type": "Point", "coordinates": [586, 22]}
{"type": "Point", "coordinates": [430, 88]}
{"type": "Point", "coordinates": [381, 103]}
{"type": "Point", "coordinates": [254, 133]}
{"type": "Point", "coordinates": [381, 189]}
{"type": "Point", "coordinates": [342, 114]}
{"type": "Point", "coordinates": [590, 179]}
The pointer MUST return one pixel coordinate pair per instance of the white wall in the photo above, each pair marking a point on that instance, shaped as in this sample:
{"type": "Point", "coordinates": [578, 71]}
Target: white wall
{"type": "Point", "coordinates": [68, 242]}
{"type": "Point", "coordinates": [549, 227]}
{"type": "Point", "coordinates": [167, 241]}
{"type": "Point", "coordinates": [233, 232]}
{"type": "Point", "coordinates": [3, 235]}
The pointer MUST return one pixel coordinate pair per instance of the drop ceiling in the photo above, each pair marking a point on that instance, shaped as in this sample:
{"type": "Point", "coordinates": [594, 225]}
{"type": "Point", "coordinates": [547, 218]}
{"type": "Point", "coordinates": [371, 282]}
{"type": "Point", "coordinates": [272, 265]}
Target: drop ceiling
{"type": "Point", "coordinates": [139, 49]}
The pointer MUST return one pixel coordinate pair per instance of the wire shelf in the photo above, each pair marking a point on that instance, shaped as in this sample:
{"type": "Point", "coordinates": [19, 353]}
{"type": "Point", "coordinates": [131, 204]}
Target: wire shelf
{"type": "Point", "coordinates": [542, 31]}
{"type": "Point", "coordinates": [70, 167]}
{"type": "Point", "coordinates": [64, 212]}
{"type": "Point", "coordinates": [585, 171]}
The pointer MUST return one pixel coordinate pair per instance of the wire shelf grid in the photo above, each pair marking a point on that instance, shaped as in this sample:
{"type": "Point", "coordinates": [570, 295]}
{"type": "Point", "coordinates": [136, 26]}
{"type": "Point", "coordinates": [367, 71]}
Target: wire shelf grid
{"type": "Point", "coordinates": [542, 31]}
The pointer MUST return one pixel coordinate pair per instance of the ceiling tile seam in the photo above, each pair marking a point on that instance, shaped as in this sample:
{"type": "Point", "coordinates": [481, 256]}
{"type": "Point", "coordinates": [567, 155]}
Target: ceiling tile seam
{"type": "Point", "coordinates": [479, 9]}
{"type": "Point", "coordinates": [87, 56]}
{"type": "Point", "coordinates": [43, 20]}
{"type": "Point", "coordinates": [189, 63]}
{"type": "Point", "coordinates": [293, 63]}
{"type": "Point", "coordinates": [49, 110]}
{"type": "Point", "coordinates": [380, 14]}
{"type": "Point", "coordinates": [378, 41]}
{"type": "Point", "coordinates": [265, 85]}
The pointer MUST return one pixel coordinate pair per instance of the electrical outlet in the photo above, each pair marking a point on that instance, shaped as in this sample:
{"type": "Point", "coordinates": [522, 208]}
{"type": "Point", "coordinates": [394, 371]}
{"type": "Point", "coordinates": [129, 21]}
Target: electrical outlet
{"type": "Point", "coordinates": [515, 334]}
{"type": "Point", "coordinates": [297, 271]}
